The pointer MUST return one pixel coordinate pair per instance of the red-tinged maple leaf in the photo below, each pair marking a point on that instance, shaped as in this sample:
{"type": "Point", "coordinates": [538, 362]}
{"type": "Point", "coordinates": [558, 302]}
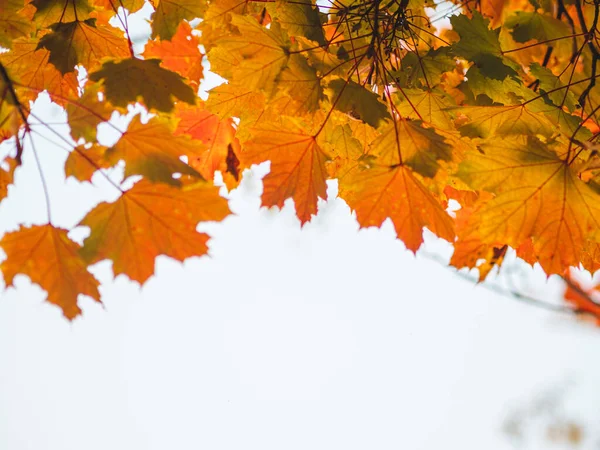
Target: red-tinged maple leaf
{"type": "Point", "coordinates": [218, 136]}
{"type": "Point", "coordinates": [297, 166]}
{"type": "Point", "coordinates": [181, 54]}
{"type": "Point", "coordinates": [151, 220]}
{"type": "Point", "coordinates": [49, 258]}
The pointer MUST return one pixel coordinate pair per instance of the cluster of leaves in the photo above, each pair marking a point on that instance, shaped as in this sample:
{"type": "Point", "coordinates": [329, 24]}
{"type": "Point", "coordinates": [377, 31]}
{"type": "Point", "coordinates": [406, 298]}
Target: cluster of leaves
{"type": "Point", "coordinates": [495, 109]}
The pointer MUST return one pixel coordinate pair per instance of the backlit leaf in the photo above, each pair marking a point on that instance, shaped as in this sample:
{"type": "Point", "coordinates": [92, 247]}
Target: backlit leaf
{"type": "Point", "coordinates": [151, 150]}
{"type": "Point", "coordinates": [73, 43]}
{"type": "Point", "coordinates": [12, 23]}
{"type": "Point", "coordinates": [122, 84]}
{"type": "Point", "coordinates": [181, 54]}
{"type": "Point", "coordinates": [170, 13]}
{"type": "Point", "coordinates": [297, 166]}
{"type": "Point", "coordinates": [151, 220]}
{"type": "Point", "coordinates": [50, 259]}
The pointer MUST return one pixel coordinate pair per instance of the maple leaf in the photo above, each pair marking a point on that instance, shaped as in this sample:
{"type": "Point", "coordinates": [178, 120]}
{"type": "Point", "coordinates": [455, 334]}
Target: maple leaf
{"type": "Point", "coordinates": [83, 162]}
{"type": "Point", "coordinates": [481, 45]}
{"type": "Point", "coordinates": [31, 66]}
{"type": "Point", "coordinates": [431, 106]}
{"type": "Point", "coordinates": [231, 101]}
{"type": "Point", "coordinates": [381, 192]}
{"type": "Point", "coordinates": [86, 113]}
{"type": "Point", "coordinates": [12, 23]}
{"type": "Point", "coordinates": [549, 82]}
{"type": "Point", "coordinates": [122, 84]}
{"type": "Point", "coordinates": [526, 26]}
{"type": "Point", "coordinates": [255, 57]}
{"type": "Point", "coordinates": [218, 137]}
{"type": "Point", "coordinates": [407, 142]}
{"type": "Point", "coordinates": [181, 54]}
{"type": "Point", "coordinates": [420, 70]}
{"type": "Point", "coordinates": [49, 258]}
{"type": "Point", "coordinates": [170, 13]}
{"type": "Point", "coordinates": [299, 19]}
{"type": "Point", "coordinates": [538, 196]}
{"type": "Point", "coordinates": [151, 150]}
{"type": "Point", "coordinates": [151, 220]}
{"type": "Point", "coordinates": [297, 165]}
{"type": "Point", "coordinates": [352, 98]}
{"type": "Point", "coordinates": [12, 113]}
{"type": "Point", "coordinates": [81, 42]}
{"type": "Point", "coordinates": [49, 12]}
{"type": "Point", "coordinates": [487, 121]}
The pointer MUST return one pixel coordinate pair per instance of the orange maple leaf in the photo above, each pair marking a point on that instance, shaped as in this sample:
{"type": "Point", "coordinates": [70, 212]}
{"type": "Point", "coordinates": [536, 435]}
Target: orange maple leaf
{"type": "Point", "coordinates": [181, 54]}
{"type": "Point", "coordinates": [49, 258]}
{"type": "Point", "coordinates": [151, 220]}
{"type": "Point", "coordinates": [297, 166]}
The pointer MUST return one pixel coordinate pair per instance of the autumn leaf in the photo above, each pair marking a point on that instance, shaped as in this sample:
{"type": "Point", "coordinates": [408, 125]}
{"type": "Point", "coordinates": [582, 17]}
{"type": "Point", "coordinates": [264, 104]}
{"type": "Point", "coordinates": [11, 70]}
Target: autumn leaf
{"type": "Point", "coordinates": [78, 42]}
{"type": "Point", "coordinates": [12, 24]}
{"type": "Point", "coordinates": [300, 19]}
{"type": "Point", "coordinates": [230, 101]}
{"type": "Point", "coordinates": [84, 161]}
{"type": "Point", "coordinates": [49, 12]}
{"type": "Point", "coordinates": [122, 84]}
{"type": "Point", "coordinates": [549, 82]}
{"type": "Point", "coordinates": [351, 98]}
{"type": "Point", "coordinates": [488, 121]}
{"type": "Point", "coordinates": [151, 150]}
{"type": "Point", "coordinates": [50, 259]}
{"type": "Point", "coordinates": [408, 142]}
{"type": "Point", "coordinates": [151, 220]}
{"type": "Point", "coordinates": [170, 13]}
{"type": "Point", "coordinates": [31, 66]}
{"type": "Point", "coordinates": [481, 45]}
{"type": "Point", "coordinates": [526, 26]}
{"type": "Point", "coordinates": [297, 166]}
{"type": "Point", "coordinates": [538, 196]}
{"type": "Point", "coordinates": [253, 58]}
{"type": "Point", "coordinates": [381, 192]}
{"type": "Point", "coordinates": [86, 113]}
{"type": "Point", "coordinates": [181, 54]}
{"type": "Point", "coordinates": [221, 146]}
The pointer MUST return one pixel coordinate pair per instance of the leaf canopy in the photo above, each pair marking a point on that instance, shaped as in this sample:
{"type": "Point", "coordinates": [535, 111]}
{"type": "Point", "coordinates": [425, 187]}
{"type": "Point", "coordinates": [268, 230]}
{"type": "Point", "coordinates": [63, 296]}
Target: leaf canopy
{"type": "Point", "coordinates": [498, 113]}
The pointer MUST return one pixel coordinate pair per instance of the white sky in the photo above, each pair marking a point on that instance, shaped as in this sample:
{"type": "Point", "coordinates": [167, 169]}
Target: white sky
{"type": "Point", "coordinates": [322, 338]}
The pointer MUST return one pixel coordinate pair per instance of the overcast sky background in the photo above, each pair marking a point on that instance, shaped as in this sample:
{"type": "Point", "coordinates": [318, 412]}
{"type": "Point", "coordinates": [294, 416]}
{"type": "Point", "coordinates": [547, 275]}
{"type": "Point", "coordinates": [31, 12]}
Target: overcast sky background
{"type": "Point", "coordinates": [326, 337]}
